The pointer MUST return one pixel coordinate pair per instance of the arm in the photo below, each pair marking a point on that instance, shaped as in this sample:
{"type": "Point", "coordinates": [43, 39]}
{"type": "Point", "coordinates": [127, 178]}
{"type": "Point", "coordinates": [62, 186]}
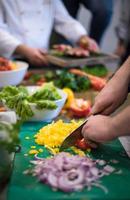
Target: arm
{"type": "Point", "coordinates": [8, 43]}
{"type": "Point", "coordinates": [115, 92]}
{"type": "Point", "coordinates": [71, 28]}
{"type": "Point", "coordinates": [66, 25]}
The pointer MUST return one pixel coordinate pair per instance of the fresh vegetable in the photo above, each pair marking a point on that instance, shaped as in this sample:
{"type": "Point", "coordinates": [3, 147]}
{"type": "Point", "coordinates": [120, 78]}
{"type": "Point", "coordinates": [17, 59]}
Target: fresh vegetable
{"type": "Point", "coordinates": [76, 83]}
{"type": "Point", "coordinates": [6, 65]}
{"type": "Point", "coordinates": [97, 70]}
{"type": "Point", "coordinates": [48, 104]}
{"type": "Point", "coordinates": [96, 82]}
{"type": "Point", "coordinates": [80, 107]}
{"type": "Point", "coordinates": [70, 97]}
{"type": "Point", "coordinates": [9, 136]}
{"type": "Point", "coordinates": [68, 173]}
{"type": "Point", "coordinates": [37, 79]}
{"type": "Point", "coordinates": [81, 144]}
{"type": "Point", "coordinates": [49, 75]}
{"type": "Point", "coordinates": [47, 92]}
{"type": "Point", "coordinates": [18, 99]}
{"type": "Point", "coordinates": [53, 134]}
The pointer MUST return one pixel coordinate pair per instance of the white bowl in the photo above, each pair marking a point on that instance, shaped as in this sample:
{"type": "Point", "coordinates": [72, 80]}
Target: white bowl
{"type": "Point", "coordinates": [47, 115]}
{"type": "Point", "coordinates": [8, 116]}
{"type": "Point", "coordinates": [13, 77]}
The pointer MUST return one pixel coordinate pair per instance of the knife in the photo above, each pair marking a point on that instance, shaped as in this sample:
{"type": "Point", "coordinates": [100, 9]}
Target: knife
{"type": "Point", "coordinates": [74, 136]}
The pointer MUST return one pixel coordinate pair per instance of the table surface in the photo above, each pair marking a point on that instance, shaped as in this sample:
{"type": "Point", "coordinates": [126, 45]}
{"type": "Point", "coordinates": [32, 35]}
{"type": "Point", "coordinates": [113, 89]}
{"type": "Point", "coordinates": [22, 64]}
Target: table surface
{"type": "Point", "coordinates": [26, 187]}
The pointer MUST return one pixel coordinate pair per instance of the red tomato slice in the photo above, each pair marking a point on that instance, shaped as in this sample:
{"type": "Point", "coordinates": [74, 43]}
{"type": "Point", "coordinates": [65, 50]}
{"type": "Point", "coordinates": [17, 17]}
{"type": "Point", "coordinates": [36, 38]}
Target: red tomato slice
{"type": "Point", "coordinates": [81, 144]}
{"type": "Point", "coordinates": [80, 107]}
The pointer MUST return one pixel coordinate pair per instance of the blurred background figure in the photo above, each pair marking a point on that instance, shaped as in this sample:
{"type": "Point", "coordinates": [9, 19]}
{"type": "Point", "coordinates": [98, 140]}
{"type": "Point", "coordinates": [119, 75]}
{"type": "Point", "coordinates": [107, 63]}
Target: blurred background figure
{"type": "Point", "coordinates": [26, 26]}
{"type": "Point", "coordinates": [123, 31]}
{"type": "Point", "coordinates": [101, 11]}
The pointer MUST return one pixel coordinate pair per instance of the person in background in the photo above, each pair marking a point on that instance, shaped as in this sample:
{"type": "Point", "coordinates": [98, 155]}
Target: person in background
{"type": "Point", "coordinates": [102, 127]}
{"type": "Point", "coordinates": [25, 28]}
{"type": "Point", "coordinates": [101, 11]}
{"type": "Point", "coordinates": [123, 31]}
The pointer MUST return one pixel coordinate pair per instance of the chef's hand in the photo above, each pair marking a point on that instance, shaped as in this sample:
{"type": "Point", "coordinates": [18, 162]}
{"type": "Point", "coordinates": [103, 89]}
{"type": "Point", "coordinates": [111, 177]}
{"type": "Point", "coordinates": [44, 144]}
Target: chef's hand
{"type": "Point", "coordinates": [89, 44]}
{"type": "Point", "coordinates": [35, 56]}
{"type": "Point", "coordinates": [114, 93]}
{"type": "Point", "coordinates": [99, 129]}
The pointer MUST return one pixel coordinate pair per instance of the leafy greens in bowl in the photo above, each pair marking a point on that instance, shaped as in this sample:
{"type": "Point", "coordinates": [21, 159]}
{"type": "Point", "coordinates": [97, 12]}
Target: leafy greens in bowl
{"type": "Point", "coordinates": [34, 103]}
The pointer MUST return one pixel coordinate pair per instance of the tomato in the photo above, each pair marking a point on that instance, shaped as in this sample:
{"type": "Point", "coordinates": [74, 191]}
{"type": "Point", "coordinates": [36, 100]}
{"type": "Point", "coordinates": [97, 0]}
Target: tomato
{"type": "Point", "coordinates": [40, 81]}
{"type": "Point", "coordinates": [28, 75]}
{"type": "Point", "coordinates": [80, 107]}
{"type": "Point", "coordinates": [81, 144]}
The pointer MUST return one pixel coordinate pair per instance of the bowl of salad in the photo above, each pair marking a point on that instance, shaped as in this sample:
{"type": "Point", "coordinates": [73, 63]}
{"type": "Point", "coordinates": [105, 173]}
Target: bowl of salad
{"type": "Point", "coordinates": [12, 73]}
{"type": "Point", "coordinates": [47, 109]}
{"type": "Point", "coordinates": [34, 103]}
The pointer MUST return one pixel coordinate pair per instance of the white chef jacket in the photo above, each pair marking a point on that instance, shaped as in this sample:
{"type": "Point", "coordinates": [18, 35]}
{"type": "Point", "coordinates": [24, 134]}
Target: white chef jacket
{"type": "Point", "coordinates": [30, 22]}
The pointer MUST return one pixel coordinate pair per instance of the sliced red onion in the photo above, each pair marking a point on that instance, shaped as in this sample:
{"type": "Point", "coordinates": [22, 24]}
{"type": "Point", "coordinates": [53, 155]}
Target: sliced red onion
{"type": "Point", "coordinates": [109, 169]}
{"type": "Point", "coordinates": [101, 162]}
{"type": "Point", "coordinates": [70, 173]}
{"type": "Point", "coordinates": [52, 180]}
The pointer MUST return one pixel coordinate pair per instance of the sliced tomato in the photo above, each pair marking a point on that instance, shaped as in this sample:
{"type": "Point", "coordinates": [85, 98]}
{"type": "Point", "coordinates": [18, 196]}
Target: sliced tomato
{"type": "Point", "coordinates": [80, 107]}
{"type": "Point", "coordinates": [81, 144]}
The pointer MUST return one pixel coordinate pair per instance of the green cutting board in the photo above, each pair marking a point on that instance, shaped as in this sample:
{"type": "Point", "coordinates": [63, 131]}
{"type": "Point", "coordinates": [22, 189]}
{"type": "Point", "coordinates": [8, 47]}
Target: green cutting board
{"type": "Point", "coordinates": [25, 187]}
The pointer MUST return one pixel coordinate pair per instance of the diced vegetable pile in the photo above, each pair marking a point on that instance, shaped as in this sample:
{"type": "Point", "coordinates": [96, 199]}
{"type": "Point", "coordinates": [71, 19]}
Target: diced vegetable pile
{"type": "Point", "coordinates": [69, 172]}
{"type": "Point", "coordinates": [52, 135]}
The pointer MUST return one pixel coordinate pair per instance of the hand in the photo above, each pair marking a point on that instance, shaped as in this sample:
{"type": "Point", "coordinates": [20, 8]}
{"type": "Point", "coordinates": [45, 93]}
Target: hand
{"type": "Point", "coordinates": [112, 96]}
{"type": "Point", "coordinates": [99, 129]}
{"type": "Point", "coordinates": [33, 55]}
{"type": "Point", "coordinates": [89, 44]}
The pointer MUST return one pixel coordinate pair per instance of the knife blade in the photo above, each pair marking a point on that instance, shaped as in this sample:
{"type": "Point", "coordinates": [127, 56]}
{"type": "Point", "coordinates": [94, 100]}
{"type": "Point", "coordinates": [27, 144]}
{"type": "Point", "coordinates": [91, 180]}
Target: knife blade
{"type": "Point", "coordinates": [73, 137]}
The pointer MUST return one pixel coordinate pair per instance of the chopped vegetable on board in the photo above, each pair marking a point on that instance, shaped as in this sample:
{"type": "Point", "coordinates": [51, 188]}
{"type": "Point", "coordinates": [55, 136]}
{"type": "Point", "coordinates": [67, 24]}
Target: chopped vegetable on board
{"type": "Point", "coordinates": [69, 173]}
{"type": "Point", "coordinates": [53, 134]}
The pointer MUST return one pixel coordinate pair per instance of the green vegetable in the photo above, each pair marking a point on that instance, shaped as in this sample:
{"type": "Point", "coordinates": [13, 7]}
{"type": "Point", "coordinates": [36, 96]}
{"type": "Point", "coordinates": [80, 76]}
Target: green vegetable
{"type": "Point", "coordinates": [96, 70]}
{"type": "Point", "coordinates": [9, 136]}
{"type": "Point", "coordinates": [18, 99]}
{"type": "Point", "coordinates": [35, 77]}
{"type": "Point", "coordinates": [46, 104]}
{"type": "Point", "coordinates": [47, 92]}
{"type": "Point", "coordinates": [74, 82]}
{"type": "Point", "coordinates": [49, 75]}
{"type": "Point", "coordinates": [83, 83]}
